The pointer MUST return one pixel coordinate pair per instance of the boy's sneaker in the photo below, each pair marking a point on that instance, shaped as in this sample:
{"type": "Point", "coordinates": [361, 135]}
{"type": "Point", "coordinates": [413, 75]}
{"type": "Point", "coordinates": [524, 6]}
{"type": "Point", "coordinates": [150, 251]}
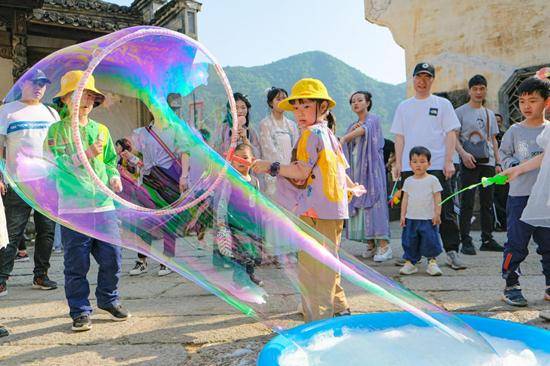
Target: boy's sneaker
{"type": "Point", "coordinates": [369, 252]}
{"type": "Point", "coordinates": [513, 296]}
{"type": "Point", "coordinates": [118, 313]}
{"type": "Point", "coordinates": [491, 246]}
{"type": "Point", "coordinates": [82, 323]}
{"type": "Point", "coordinates": [343, 313]}
{"type": "Point", "coordinates": [383, 254]}
{"type": "Point", "coordinates": [139, 268]}
{"type": "Point", "coordinates": [164, 271]}
{"type": "Point", "coordinates": [400, 262]}
{"type": "Point", "coordinates": [43, 283]}
{"type": "Point", "coordinates": [547, 293]}
{"type": "Point", "coordinates": [468, 248]}
{"type": "Point", "coordinates": [408, 268]}
{"type": "Point", "coordinates": [454, 261]}
{"type": "Point", "coordinates": [22, 257]}
{"type": "Point", "coordinates": [433, 269]}
{"type": "Point", "coordinates": [3, 289]}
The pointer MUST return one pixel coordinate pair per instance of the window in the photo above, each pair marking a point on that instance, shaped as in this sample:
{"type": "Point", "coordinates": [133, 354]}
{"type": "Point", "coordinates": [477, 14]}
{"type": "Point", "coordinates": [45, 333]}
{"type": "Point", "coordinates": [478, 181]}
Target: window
{"type": "Point", "coordinates": [508, 94]}
{"type": "Point", "coordinates": [191, 23]}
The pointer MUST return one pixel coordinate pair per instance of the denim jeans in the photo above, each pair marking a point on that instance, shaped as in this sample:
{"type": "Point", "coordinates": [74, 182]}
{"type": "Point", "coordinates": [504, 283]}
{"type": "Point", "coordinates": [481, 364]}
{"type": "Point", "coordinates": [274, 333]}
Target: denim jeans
{"type": "Point", "coordinates": [77, 250]}
{"type": "Point", "coordinates": [17, 216]}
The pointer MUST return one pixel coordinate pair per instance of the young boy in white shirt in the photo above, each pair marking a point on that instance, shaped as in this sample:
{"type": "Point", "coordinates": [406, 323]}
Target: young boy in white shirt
{"type": "Point", "coordinates": [421, 214]}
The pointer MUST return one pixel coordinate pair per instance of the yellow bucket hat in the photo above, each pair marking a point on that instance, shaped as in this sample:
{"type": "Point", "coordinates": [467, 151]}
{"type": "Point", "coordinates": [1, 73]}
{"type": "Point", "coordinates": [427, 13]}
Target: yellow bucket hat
{"type": "Point", "coordinates": [307, 89]}
{"type": "Point", "coordinates": [69, 83]}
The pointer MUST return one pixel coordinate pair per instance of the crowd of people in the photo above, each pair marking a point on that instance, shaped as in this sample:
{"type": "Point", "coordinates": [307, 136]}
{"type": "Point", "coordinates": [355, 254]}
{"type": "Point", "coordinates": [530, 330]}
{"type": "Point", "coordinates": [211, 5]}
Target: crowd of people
{"type": "Point", "coordinates": [302, 166]}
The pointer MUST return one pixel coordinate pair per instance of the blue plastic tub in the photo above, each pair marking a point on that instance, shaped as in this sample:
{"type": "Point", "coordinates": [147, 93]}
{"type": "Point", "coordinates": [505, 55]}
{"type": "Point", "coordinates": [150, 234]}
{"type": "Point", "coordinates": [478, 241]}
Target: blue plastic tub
{"type": "Point", "coordinates": [536, 339]}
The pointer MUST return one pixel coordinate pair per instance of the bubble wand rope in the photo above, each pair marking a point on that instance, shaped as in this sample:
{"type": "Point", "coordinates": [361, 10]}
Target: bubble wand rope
{"type": "Point", "coordinates": [485, 182]}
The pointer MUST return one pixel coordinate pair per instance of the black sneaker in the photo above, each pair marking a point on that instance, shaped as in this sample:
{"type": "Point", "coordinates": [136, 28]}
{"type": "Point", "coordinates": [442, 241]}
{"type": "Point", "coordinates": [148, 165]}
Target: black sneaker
{"type": "Point", "coordinates": [3, 331]}
{"type": "Point", "coordinates": [43, 283]}
{"type": "Point", "coordinates": [343, 313]}
{"type": "Point", "coordinates": [547, 294]}
{"type": "Point", "coordinates": [491, 246]}
{"type": "Point", "coordinates": [468, 249]}
{"type": "Point", "coordinates": [82, 323]}
{"type": "Point", "coordinates": [513, 296]}
{"type": "Point", "coordinates": [118, 313]}
{"type": "Point", "coordinates": [3, 289]}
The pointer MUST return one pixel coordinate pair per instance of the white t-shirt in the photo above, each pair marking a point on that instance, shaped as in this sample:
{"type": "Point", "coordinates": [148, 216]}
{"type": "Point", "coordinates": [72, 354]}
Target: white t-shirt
{"type": "Point", "coordinates": [425, 122]}
{"type": "Point", "coordinates": [153, 153]}
{"type": "Point", "coordinates": [420, 204]}
{"type": "Point", "coordinates": [25, 128]}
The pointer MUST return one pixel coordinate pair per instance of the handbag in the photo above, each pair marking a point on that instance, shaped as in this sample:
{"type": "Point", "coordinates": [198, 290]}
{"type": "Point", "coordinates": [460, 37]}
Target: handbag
{"type": "Point", "coordinates": [480, 150]}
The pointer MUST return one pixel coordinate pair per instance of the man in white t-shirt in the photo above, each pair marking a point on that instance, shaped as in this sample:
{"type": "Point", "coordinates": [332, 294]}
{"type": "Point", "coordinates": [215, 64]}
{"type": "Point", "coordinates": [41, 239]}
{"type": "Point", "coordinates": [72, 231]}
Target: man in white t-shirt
{"type": "Point", "coordinates": [24, 124]}
{"type": "Point", "coordinates": [428, 120]}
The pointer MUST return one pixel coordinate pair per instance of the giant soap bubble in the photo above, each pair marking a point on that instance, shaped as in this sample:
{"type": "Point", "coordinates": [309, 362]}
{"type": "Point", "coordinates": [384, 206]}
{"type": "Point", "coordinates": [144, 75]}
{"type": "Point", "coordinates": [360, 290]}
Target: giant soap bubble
{"type": "Point", "coordinates": [183, 204]}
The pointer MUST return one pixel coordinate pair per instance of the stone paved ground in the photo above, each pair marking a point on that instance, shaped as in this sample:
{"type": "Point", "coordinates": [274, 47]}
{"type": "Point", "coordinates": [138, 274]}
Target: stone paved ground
{"type": "Point", "coordinates": [175, 322]}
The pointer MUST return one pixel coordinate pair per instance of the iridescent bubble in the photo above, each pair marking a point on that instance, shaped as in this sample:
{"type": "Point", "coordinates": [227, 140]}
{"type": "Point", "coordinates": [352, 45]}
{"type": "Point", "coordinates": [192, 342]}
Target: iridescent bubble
{"type": "Point", "coordinates": [182, 203]}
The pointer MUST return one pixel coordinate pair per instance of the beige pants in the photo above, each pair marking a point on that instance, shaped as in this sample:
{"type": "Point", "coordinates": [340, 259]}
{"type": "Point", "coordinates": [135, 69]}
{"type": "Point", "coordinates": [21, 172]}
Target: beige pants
{"type": "Point", "coordinates": [322, 295]}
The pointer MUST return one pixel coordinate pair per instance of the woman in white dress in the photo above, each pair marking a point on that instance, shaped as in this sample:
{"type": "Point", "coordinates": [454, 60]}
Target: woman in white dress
{"type": "Point", "coordinates": [277, 136]}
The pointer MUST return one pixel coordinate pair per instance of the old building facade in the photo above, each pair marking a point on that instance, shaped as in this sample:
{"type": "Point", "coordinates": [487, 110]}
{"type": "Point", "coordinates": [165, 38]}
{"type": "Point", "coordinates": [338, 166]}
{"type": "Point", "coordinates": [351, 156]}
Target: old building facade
{"type": "Point", "coordinates": [32, 29]}
{"type": "Point", "coordinates": [506, 41]}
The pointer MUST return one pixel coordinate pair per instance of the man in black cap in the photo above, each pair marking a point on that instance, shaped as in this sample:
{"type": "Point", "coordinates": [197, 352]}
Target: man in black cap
{"type": "Point", "coordinates": [24, 124]}
{"type": "Point", "coordinates": [430, 121]}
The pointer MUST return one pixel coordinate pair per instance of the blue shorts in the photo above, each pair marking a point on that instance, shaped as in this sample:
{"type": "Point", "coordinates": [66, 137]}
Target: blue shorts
{"type": "Point", "coordinates": [420, 238]}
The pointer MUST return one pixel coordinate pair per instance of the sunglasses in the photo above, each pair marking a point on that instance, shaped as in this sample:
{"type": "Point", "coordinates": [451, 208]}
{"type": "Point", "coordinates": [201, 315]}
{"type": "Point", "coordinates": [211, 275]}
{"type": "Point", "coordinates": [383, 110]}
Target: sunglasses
{"type": "Point", "coordinates": [39, 83]}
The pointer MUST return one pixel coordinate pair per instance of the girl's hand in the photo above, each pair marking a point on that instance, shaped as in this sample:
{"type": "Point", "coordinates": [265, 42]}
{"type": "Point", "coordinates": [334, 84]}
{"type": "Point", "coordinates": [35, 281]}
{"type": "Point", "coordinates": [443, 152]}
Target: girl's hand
{"type": "Point", "coordinates": [116, 184]}
{"type": "Point", "coordinates": [261, 166]}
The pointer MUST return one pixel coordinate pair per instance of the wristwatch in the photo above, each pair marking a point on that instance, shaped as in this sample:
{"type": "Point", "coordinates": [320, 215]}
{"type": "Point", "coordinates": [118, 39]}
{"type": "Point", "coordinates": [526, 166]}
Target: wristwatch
{"type": "Point", "coordinates": [274, 169]}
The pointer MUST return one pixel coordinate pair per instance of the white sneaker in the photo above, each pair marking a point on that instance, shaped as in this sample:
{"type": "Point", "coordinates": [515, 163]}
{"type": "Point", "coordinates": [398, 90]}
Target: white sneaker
{"type": "Point", "coordinates": [369, 252]}
{"type": "Point", "coordinates": [408, 269]}
{"type": "Point", "coordinates": [139, 268]}
{"type": "Point", "coordinates": [433, 269]}
{"type": "Point", "coordinates": [383, 254]}
{"type": "Point", "coordinates": [163, 271]}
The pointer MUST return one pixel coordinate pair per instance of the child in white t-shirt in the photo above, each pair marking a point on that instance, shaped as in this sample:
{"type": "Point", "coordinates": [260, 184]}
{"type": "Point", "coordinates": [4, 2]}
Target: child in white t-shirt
{"type": "Point", "coordinates": [421, 215]}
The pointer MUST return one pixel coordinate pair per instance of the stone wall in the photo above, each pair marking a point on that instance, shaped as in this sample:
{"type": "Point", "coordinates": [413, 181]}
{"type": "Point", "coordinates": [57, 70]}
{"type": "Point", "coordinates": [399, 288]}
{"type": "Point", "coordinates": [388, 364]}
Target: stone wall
{"type": "Point", "coordinates": [467, 37]}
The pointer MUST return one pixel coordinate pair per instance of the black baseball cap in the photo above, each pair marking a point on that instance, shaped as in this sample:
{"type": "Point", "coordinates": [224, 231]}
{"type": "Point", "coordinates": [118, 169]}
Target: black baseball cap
{"type": "Point", "coordinates": [37, 75]}
{"type": "Point", "coordinates": [424, 67]}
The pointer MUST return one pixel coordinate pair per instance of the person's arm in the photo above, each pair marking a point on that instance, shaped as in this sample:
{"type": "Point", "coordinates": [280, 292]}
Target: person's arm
{"type": "Point", "coordinates": [110, 159]}
{"type": "Point", "coordinates": [467, 159]}
{"type": "Point", "coordinates": [498, 164]}
{"type": "Point", "coordinates": [436, 220]}
{"type": "Point", "coordinates": [399, 146]}
{"type": "Point", "coordinates": [450, 146]}
{"type": "Point", "coordinates": [527, 166]}
{"type": "Point", "coordinates": [184, 177]}
{"type": "Point", "coordinates": [2, 183]}
{"type": "Point", "coordinates": [507, 150]}
{"type": "Point", "coordinates": [359, 131]}
{"type": "Point", "coordinates": [404, 204]}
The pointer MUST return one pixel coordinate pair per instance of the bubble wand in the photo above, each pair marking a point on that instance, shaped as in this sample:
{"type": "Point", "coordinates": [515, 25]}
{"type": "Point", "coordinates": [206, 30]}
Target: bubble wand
{"type": "Point", "coordinates": [485, 182]}
{"type": "Point", "coordinates": [393, 198]}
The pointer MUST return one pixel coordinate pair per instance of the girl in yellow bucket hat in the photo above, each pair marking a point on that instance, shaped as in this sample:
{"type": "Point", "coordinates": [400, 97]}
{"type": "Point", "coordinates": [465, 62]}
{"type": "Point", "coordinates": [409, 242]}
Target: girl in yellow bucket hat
{"type": "Point", "coordinates": [318, 161]}
{"type": "Point", "coordinates": [81, 203]}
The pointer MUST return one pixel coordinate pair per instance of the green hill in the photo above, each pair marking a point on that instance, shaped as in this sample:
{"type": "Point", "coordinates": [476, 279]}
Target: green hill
{"type": "Point", "coordinates": [340, 78]}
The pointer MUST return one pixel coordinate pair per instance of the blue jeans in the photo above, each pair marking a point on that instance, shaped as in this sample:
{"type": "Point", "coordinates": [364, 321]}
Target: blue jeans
{"type": "Point", "coordinates": [77, 250]}
{"type": "Point", "coordinates": [420, 238]}
{"type": "Point", "coordinates": [516, 247]}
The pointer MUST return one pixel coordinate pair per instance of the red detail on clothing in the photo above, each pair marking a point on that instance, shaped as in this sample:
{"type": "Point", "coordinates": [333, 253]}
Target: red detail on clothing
{"type": "Point", "coordinates": [507, 261]}
{"type": "Point", "coordinates": [311, 213]}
